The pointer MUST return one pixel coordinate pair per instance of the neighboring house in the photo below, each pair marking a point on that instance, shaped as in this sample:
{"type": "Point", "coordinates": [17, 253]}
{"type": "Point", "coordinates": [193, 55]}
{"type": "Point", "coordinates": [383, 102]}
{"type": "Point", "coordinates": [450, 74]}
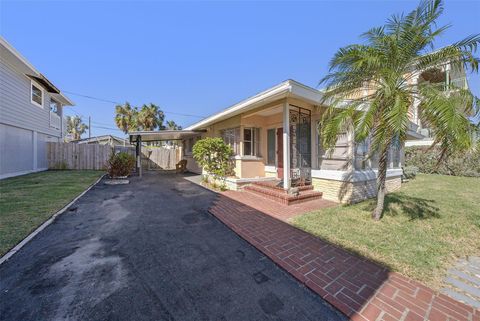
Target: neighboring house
{"type": "Point", "coordinates": [31, 114]}
{"type": "Point", "coordinates": [104, 140]}
{"type": "Point", "coordinates": [446, 78]}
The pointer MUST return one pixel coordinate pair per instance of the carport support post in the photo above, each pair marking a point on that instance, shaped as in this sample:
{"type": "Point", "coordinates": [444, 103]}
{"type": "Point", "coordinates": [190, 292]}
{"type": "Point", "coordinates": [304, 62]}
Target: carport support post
{"type": "Point", "coordinates": [139, 155]}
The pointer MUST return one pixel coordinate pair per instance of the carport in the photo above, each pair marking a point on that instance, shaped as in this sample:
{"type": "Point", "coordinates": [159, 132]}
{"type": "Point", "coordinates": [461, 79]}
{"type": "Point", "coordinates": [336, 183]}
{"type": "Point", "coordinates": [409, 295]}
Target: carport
{"type": "Point", "coordinates": [139, 137]}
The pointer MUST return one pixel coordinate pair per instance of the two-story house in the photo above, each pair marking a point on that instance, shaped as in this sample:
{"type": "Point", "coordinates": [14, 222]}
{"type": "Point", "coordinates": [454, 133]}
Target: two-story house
{"type": "Point", "coordinates": [31, 114]}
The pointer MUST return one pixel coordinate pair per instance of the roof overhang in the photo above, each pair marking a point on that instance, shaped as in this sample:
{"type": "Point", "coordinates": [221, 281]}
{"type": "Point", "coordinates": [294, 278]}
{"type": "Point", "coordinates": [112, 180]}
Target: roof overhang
{"type": "Point", "coordinates": [163, 135]}
{"type": "Point", "coordinates": [17, 61]}
{"type": "Point", "coordinates": [289, 88]}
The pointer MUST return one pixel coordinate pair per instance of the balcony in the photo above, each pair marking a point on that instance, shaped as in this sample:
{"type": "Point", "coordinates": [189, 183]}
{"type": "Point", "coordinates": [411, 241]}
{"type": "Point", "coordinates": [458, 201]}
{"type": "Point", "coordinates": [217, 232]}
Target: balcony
{"type": "Point", "coordinates": [55, 121]}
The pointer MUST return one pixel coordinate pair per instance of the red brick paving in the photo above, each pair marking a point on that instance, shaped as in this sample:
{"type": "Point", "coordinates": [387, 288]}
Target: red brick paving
{"type": "Point", "coordinates": [275, 209]}
{"type": "Point", "coordinates": [359, 288]}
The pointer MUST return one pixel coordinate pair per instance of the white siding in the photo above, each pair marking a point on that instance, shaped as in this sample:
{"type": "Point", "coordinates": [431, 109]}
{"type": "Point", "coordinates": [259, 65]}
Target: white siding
{"type": "Point", "coordinates": [16, 108]}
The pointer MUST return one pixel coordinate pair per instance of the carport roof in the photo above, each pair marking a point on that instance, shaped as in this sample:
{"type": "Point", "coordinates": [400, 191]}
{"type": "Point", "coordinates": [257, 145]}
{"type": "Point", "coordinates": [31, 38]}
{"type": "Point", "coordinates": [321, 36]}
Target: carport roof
{"type": "Point", "coordinates": [153, 136]}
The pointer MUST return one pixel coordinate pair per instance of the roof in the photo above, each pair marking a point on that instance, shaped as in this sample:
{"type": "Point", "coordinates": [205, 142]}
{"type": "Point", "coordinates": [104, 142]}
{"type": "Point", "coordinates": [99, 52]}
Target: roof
{"type": "Point", "coordinates": [288, 88]}
{"type": "Point", "coordinates": [99, 138]}
{"type": "Point", "coordinates": [11, 55]}
{"type": "Point", "coordinates": [152, 136]}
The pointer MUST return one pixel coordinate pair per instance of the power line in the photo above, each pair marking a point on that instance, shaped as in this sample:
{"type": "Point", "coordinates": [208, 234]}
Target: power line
{"type": "Point", "coordinates": [118, 103]}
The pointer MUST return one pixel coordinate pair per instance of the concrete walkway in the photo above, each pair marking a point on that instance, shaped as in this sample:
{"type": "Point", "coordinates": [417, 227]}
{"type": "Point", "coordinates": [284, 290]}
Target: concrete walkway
{"type": "Point", "coordinates": [149, 251]}
{"type": "Point", "coordinates": [463, 281]}
{"type": "Point", "coordinates": [361, 289]}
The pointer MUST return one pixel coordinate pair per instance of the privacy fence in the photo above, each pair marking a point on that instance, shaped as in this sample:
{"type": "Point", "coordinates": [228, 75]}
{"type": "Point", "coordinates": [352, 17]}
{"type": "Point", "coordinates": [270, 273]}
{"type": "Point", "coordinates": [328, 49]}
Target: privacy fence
{"type": "Point", "coordinates": [95, 157]}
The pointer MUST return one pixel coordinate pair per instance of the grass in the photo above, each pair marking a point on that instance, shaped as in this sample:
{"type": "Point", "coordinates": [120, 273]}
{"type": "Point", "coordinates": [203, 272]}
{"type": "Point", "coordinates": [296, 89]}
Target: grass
{"type": "Point", "coordinates": [28, 201]}
{"type": "Point", "coordinates": [427, 225]}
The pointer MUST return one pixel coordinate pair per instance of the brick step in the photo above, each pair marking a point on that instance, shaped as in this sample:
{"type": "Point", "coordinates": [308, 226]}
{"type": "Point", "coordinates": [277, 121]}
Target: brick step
{"type": "Point", "coordinates": [274, 185]}
{"type": "Point", "coordinates": [281, 196]}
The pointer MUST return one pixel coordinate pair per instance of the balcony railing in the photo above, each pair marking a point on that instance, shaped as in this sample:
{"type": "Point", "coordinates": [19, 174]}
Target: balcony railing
{"type": "Point", "coordinates": [55, 121]}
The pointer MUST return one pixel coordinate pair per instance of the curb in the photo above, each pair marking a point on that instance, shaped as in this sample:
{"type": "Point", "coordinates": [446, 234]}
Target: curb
{"type": "Point", "coordinates": [17, 247]}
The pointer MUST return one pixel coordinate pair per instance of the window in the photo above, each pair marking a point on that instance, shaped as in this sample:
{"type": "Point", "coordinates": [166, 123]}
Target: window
{"type": "Point", "coordinates": [54, 106]}
{"type": "Point", "coordinates": [361, 154]}
{"type": "Point", "coordinates": [250, 141]}
{"type": "Point", "coordinates": [271, 144]}
{"type": "Point", "coordinates": [189, 145]}
{"type": "Point", "coordinates": [231, 136]}
{"type": "Point", "coordinates": [36, 95]}
{"type": "Point", "coordinates": [394, 154]}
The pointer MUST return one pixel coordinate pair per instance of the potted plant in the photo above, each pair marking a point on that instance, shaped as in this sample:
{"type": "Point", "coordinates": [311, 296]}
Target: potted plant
{"type": "Point", "coordinates": [119, 167]}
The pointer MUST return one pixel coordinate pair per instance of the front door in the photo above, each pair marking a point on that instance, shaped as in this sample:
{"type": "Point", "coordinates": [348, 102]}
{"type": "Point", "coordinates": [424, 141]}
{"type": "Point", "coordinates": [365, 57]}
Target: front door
{"type": "Point", "coordinates": [280, 153]}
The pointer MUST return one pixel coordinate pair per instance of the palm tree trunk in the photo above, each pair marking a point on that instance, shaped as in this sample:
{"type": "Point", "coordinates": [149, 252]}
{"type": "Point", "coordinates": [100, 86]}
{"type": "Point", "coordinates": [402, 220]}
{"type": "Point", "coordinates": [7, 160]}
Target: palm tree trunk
{"type": "Point", "coordinates": [382, 175]}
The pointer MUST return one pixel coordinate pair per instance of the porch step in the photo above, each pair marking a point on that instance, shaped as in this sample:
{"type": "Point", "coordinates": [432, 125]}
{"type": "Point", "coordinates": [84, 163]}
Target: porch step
{"type": "Point", "coordinates": [275, 186]}
{"type": "Point", "coordinates": [281, 196]}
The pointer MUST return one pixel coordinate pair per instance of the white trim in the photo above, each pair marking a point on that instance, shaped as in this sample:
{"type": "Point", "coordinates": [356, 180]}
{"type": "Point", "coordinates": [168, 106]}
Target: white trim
{"type": "Point", "coordinates": [34, 83]}
{"type": "Point", "coordinates": [248, 158]}
{"type": "Point", "coordinates": [270, 169]}
{"type": "Point", "coordinates": [14, 174]}
{"type": "Point", "coordinates": [352, 176]}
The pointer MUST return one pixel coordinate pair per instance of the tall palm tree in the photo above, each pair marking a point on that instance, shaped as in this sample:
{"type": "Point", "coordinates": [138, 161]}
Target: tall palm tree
{"type": "Point", "coordinates": [150, 117]}
{"type": "Point", "coordinates": [75, 126]}
{"type": "Point", "coordinates": [371, 87]}
{"type": "Point", "coordinates": [172, 125]}
{"type": "Point", "coordinates": [126, 117]}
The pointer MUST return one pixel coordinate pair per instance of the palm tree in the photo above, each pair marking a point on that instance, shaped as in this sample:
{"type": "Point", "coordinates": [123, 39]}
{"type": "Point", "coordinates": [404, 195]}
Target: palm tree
{"type": "Point", "coordinates": [126, 117]}
{"type": "Point", "coordinates": [76, 127]}
{"type": "Point", "coordinates": [150, 117]}
{"type": "Point", "coordinates": [371, 88]}
{"type": "Point", "coordinates": [172, 125]}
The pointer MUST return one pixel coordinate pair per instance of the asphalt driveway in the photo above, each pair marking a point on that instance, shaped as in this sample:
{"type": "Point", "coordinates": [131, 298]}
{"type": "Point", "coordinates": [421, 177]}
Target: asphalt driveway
{"type": "Point", "coordinates": [149, 251]}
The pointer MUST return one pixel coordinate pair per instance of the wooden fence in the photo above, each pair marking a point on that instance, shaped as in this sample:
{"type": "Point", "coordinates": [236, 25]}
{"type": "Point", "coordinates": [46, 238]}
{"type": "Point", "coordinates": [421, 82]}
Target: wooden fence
{"type": "Point", "coordinates": [94, 156]}
{"type": "Point", "coordinates": [77, 156]}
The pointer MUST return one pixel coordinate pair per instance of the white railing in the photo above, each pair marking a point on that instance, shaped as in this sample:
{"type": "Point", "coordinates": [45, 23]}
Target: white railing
{"type": "Point", "coordinates": [55, 121]}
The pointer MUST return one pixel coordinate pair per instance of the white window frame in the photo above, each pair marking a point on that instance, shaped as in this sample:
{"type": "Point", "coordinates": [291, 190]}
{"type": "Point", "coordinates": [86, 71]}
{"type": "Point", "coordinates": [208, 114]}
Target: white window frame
{"type": "Point", "coordinates": [33, 83]}
{"type": "Point", "coordinates": [57, 103]}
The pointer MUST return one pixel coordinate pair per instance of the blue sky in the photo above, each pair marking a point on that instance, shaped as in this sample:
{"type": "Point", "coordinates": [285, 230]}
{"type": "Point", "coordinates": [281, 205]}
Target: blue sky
{"type": "Point", "coordinates": [194, 58]}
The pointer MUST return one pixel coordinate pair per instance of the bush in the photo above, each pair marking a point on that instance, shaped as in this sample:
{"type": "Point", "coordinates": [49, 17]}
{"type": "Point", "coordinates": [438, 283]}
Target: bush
{"type": "Point", "coordinates": [410, 172]}
{"type": "Point", "coordinates": [457, 164]}
{"type": "Point", "coordinates": [213, 155]}
{"type": "Point", "coordinates": [120, 164]}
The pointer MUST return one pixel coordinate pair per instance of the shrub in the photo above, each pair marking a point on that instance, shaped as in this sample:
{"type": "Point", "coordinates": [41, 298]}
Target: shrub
{"type": "Point", "coordinates": [213, 155]}
{"type": "Point", "coordinates": [120, 164]}
{"type": "Point", "coordinates": [410, 172]}
{"type": "Point", "coordinates": [457, 164]}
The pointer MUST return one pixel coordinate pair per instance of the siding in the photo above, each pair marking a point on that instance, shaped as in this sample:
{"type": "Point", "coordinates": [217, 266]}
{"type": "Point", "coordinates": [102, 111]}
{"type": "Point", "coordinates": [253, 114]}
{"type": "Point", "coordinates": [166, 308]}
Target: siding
{"type": "Point", "coordinates": [16, 108]}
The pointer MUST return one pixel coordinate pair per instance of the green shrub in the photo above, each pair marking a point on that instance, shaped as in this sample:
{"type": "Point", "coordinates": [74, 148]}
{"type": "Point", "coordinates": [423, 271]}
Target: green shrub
{"type": "Point", "coordinates": [120, 164]}
{"type": "Point", "coordinates": [457, 164]}
{"type": "Point", "coordinates": [410, 172]}
{"type": "Point", "coordinates": [213, 155]}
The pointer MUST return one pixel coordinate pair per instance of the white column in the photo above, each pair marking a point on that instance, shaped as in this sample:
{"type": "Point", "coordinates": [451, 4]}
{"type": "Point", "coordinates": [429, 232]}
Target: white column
{"type": "Point", "coordinates": [286, 145]}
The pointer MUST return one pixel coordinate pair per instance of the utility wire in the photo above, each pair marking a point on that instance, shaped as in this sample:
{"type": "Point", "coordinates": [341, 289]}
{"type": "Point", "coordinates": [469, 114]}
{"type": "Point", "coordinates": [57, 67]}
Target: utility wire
{"type": "Point", "coordinates": [118, 103]}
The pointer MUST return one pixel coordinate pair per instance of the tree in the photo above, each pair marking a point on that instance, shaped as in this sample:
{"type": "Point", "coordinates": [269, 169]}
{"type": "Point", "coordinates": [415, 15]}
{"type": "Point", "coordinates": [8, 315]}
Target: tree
{"type": "Point", "coordinates": [126, 117]}
{"type": "Point", "coordinates": [213, 155]}
{"type": "Point", "coordinates": [370, 87]}
{"type": "Point", "coordinates": [75, 126]}
{"type": "Point", "coordinates": [150, 117]}
{"type": "Point", "coordinates": [172, 125]}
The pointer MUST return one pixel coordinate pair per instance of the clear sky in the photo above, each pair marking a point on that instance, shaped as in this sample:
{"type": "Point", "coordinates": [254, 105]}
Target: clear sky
{"type": "Point", "coordinates": [194, 58]}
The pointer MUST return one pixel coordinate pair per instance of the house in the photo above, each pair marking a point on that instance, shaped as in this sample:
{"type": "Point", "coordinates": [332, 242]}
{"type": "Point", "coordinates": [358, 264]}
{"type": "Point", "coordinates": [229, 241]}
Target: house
{"type": "Point", "coordinates": [446, 78]}
{"type": "Point", "coordinates": [104, 140]}
{"type": "Point", "coordinates": [31, 114]}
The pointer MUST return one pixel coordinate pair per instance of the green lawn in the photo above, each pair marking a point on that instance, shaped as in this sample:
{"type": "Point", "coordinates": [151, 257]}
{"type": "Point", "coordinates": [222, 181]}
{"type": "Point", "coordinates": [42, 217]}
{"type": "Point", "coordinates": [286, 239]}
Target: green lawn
{"type": "Point", "coordinates": [28, 201]}
{"type": "Point", "coordinates": [430, 222]}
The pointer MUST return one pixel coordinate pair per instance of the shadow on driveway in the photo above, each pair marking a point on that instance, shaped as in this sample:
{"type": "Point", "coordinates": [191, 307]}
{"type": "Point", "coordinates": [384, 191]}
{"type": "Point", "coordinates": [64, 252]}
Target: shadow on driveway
{"type": "Point", "coordinates": [149, 251]}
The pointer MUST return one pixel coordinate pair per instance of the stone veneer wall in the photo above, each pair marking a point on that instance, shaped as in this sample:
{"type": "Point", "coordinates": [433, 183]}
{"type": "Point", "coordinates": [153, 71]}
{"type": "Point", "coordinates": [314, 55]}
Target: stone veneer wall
{"type": "Point", "coordinates": [352, 192]}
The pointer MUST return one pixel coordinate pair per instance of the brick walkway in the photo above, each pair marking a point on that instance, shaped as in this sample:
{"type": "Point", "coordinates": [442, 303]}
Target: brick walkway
{"type": "Point", "coordinates": [275, 209]}
{"type": "Point", "coordinates": [359, 288]}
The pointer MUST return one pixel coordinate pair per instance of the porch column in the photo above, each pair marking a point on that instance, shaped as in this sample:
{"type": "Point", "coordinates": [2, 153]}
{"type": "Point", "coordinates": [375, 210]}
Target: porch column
{"type": "Point", "coordinates": [286, 146]}
{"type": "Point", "coordinates": [139, 155]}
